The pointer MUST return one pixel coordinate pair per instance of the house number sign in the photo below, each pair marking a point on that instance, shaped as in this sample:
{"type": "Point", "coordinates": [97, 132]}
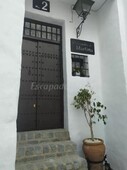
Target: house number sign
{"type": "Point", "coordinates": [41, 5]}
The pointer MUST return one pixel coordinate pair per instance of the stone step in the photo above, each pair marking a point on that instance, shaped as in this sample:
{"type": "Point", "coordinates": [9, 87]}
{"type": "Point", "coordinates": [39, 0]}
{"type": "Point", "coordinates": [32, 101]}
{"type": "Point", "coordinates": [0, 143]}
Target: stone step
{"type": "Point", "coordinates": [44, 150]}
{"type": "Point", "coordinates": [73, 162]}
{"type": "Point", "coordinates": [47, 150]}
{"type": "Point", "coordinates": [43, 136]}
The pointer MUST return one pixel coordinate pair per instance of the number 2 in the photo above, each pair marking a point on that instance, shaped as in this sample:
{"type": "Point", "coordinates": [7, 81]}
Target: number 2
{"type": "Point", "coordinates": [44, 6]}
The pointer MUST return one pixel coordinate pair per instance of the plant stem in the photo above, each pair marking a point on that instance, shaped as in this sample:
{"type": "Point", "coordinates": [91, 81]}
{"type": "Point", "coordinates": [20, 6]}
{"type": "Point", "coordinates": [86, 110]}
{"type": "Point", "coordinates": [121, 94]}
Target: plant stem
{"type": "Point", "coordinates": [86, 117]}
{"type": "Point", "coordinates": [91, 130]}
{"type": "Point", "coordinates": [90, 123]}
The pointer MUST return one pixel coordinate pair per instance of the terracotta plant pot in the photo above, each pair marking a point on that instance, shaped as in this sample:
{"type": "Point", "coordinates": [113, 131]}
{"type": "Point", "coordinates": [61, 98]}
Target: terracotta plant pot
{"type": "Point", "coordinates": [94, 153]}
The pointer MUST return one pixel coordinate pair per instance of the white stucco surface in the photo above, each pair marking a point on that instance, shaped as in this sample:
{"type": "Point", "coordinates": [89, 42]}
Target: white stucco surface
{"type": "Point", "coordinates": [61, 14]}
{"type": "Point", "coordinates": [122, 4]}
{"type": "Point", "coordinates": [108, 67]}
{"type": "Point", "coordinates": [11, 17]}
{"type": "Point", "coordinates": [108, 78]}
{"type": "Point", "coordinates": [112, 36]}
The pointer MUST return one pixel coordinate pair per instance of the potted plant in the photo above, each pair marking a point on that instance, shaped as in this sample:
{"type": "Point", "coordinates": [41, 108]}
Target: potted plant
{"type": "Point", "coordinates": [76, 72]}
{"type": "Point", "coordinates": [94, 148]}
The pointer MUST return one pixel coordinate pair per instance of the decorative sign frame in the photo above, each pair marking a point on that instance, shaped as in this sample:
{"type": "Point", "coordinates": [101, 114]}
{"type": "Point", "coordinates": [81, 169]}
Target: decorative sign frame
{"type": "Point", "coordinates": [80, 46]}
{"type": "Point", "coordinates": [42, 5]}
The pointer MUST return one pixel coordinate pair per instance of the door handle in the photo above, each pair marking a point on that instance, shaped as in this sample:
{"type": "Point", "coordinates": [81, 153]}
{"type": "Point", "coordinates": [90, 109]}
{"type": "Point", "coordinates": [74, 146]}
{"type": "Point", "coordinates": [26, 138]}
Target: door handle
{"type": "Point", "coordinates": [34, 105]}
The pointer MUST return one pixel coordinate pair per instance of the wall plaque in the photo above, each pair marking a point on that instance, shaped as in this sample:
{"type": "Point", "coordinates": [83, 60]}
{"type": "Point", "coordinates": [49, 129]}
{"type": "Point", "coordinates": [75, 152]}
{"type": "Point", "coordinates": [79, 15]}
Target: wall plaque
{"type": "Point", "coordinates": [80, 46]}
{"type": "Point", "coordinates": [42, 5]}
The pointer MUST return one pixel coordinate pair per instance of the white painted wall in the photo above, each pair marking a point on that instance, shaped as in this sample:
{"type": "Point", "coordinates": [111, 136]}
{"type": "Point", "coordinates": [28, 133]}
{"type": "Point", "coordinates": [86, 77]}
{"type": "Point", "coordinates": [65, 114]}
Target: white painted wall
{"type": "Point", "coordinates": [122, 5]}
{"type": "Point", "coordinates": [11, 17]}
{"type": "Point", "coordinates": [113, 37]}
{"type": "Point", "coordinates": [60, 11]}
{"type": "Point", "coordinates": [10, 67]}
{"type": "Point", "coordinates": [108, 30]}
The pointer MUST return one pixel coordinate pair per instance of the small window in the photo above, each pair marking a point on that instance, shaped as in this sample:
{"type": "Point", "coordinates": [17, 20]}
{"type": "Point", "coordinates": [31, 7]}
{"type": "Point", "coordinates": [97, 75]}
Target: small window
{"type": "Point", "coordinates": [27, 24]}
{"type": "Point", "coordinates": [48, 29]}
{"type": "Point", "coordinates": [33, 33]}
{"type": "Point", "coordinates": [44, 35]}
{"type": "Point", "coordinates": [80, 65]}
{"type": "Point", "coordinates": [32, 26]}
{"type": "Point", "coordinates": [54, 30]}
{"type": "Point", "coordinates": [38, 27]}
{"type": "Point", "coordinates": [54, 37]}
{"type": "Point", "coordinates": [38, 34]}
{"type": "Point", "coordinates": [41, 30]}
{"type": "Point", "coordinates": [27, 31]}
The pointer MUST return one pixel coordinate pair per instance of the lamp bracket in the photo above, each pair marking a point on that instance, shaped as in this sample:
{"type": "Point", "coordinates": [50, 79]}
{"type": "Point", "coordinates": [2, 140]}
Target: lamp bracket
{"type": "Point", "coordinates": [79, 28]}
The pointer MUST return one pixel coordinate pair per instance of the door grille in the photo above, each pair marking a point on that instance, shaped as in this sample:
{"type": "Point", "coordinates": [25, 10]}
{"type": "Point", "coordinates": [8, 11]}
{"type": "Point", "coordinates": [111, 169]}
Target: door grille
{"type": "Point", "coordinates": [42, 31]}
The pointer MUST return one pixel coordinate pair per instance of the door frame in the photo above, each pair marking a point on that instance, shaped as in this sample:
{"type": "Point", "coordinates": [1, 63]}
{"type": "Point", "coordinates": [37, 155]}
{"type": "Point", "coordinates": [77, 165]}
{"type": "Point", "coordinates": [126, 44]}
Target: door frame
{"type": "Point", "coordinates": [50, 42]}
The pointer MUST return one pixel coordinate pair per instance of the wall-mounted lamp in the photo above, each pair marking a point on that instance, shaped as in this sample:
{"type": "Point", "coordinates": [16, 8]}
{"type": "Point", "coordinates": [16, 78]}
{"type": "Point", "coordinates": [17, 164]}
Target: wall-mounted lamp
{"type": "Point", "coordinates": [82, 7]}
